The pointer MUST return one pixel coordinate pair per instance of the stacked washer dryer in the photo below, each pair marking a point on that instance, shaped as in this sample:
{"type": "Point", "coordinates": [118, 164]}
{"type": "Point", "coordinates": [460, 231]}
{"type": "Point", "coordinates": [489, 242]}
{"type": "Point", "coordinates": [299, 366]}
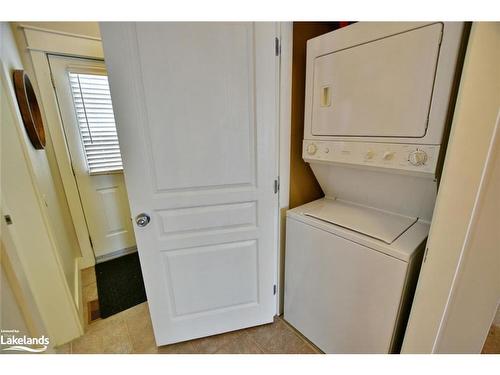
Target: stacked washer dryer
{"type": "Point", "coordinates": [377, 102]}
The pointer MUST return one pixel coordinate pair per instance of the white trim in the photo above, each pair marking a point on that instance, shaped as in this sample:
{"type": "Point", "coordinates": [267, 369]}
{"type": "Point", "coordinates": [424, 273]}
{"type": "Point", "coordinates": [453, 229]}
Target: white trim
{"type": "Point", "coordinates": [40, 43]}
{"type": "Point", "coordinates": [55, 125]}
{"type": "Point", "coordinates": [58, 32]}
{"type": "Point", "coordinates": [78, 295]}
{"type": "Point", "coordinates": [284, 127]}
{"type": "Point", "coordinates": [485, 178]}
{"type": "Point", "coordinates": [49, 41]}
{"type": "Point", "coordinates": [285, 110]}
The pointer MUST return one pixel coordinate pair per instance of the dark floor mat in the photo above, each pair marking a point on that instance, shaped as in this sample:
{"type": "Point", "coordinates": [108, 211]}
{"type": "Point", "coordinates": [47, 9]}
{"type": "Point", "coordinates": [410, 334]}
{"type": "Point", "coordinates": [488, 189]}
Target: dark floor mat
{"type": "Point", "coordinates": [119, 284]}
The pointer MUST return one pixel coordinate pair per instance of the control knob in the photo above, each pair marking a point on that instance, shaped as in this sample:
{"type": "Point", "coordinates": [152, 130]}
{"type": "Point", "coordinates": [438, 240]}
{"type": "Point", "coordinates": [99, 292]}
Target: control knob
{"type": "Point", "coordinates": [417, 158]}
{"type": "Point", "coordinates": [311, 149]}
{"type": "Point", "coordinates": [369, 155]}
{"type": "Point", "coordinates": [388, 155]}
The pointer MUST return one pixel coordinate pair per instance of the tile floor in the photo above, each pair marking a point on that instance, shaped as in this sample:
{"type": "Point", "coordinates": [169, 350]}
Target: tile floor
{"type": "Point", "coordinates": [492, 344]}
{"type": "Point", "coordinates": [130, 331]}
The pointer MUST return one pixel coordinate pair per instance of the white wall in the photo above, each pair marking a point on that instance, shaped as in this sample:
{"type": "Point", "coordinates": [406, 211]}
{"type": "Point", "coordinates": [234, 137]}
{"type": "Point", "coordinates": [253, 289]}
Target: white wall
{"type": "Point", "coordinates": [463, 245]}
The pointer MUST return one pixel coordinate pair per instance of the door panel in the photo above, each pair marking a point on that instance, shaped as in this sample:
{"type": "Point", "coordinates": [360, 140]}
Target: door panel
{"type": "Point", "coordinates": [206, 85]}
{"type": "Point", "coordinates": [103, 196]}
{"type": "Point", "coordinates": [195, 105]}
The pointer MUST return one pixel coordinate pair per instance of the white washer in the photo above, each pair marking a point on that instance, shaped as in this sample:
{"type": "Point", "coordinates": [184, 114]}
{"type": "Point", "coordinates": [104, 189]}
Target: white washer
{"type": "Point", "coordinates": [376, 109]}
{"type": "Point", "coordinates": [347, 284]}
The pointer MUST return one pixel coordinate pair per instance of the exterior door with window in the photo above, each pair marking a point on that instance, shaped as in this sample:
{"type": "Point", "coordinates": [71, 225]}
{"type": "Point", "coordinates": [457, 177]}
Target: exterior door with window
{"type": "Point", "coordinates": [89, 126]}
{"type": "Point", "coordinates": [195, 105]}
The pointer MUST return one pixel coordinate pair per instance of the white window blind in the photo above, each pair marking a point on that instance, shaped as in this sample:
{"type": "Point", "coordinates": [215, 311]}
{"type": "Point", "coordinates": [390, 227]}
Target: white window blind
{"type": "Point", "coordinates": [96, 121]}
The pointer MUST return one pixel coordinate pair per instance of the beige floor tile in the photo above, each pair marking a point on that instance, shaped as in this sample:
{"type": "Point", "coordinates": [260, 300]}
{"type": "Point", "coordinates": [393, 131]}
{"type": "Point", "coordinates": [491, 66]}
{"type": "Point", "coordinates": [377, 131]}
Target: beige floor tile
{"type": "Point", "coordinates": [279, 338]}
{"type": "Point", "coordinates": [241, 345]}
{"type": "Point", "coordinates": [492, 343]}
{"type": "Point", "coordinates": [180, 348]}
{"type": "Point", "coordinates": [212, 344]}
{"type": "Point", "coordinates": [63, 349]}
{"type": "Point", "coordinates": [104, 336]}
{"type": "Point", "coordinates": [265, 333]}
{"type": "Point", "coordinates": [88, 276]}
{"type": "Point", "coordinates": [90, 343]}
{"type": "Point", "coordinates": [131, 331]}
{"type": "Point", "coordinates": [140, 329]}
{"type": "Point", "coordinates": [136, 311]}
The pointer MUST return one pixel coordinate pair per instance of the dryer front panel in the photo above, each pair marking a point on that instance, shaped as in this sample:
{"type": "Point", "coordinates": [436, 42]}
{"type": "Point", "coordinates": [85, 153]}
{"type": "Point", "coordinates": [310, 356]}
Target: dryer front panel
{"type": "Point", "coordinates": [382, 88]}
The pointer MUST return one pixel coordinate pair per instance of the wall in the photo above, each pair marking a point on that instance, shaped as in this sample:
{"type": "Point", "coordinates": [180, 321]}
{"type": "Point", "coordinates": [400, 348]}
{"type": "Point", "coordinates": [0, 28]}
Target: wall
{"type": "Point", "coordinates": [47, 176]}
{"type": "Point", "coordinates": [28, 195]}
{"type": "Point", "coordinates": [457, 293]}
{"type": "Point", "coordinates": [303, 185]}
{"type": "Point", "coordinates": [11, 316]}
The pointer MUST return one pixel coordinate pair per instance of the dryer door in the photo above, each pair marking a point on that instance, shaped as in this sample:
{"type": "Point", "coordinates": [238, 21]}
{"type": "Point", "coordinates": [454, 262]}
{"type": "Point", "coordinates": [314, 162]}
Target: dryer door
{"type": "Point", "coordinates": [381, 88]}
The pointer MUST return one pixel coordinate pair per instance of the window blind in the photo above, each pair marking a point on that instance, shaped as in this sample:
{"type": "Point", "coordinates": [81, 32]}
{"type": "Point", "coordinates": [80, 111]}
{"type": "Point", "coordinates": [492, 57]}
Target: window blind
{"type": "Point", "coordinates": [96, 122]}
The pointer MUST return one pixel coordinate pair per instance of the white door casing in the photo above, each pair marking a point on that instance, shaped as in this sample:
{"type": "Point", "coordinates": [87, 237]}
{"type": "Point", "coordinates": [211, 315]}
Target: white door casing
{"type": "Point", "coordinates": [195, 105]}
{"type": "Point", "coordinates": [103, 196]}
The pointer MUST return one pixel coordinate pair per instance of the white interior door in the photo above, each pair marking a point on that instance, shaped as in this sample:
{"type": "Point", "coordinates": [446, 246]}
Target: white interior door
{"type": "Point", "coordinates": [195, 105]}
{"type": "Point", "coordinates": [87, 115]}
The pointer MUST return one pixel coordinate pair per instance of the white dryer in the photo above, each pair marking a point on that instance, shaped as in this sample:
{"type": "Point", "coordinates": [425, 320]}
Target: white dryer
{"type": "Point", "coordinates": [377, 105]}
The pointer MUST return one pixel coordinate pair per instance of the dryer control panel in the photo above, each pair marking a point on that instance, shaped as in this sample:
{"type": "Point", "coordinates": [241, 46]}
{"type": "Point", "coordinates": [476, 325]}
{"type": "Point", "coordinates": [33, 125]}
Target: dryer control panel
{"type": "Point", "coordinates": [407, 157]}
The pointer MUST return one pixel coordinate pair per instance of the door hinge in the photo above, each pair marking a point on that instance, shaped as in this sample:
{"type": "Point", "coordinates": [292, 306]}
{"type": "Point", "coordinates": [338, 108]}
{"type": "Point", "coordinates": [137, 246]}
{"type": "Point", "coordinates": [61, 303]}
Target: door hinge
{"type": "Point", "coordinates": [274, 289]}
{"type": "Point", "coordinates": [277, 46]}
{"type": "Point", "coordinates": [425, 254]}
{"type": "Point", "coordinates": [91, 243]}
{"type": "Point", "coordinates": [8, 219]}
{"type": "Point", "coordinates": [276, 185]}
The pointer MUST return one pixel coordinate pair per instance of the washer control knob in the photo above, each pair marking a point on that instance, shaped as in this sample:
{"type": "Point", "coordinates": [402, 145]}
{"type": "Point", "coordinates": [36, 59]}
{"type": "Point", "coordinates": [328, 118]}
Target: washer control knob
{"type": "Point", "coordinates": [311, 149]}
{"type": "Point", "coordinates": [369, 154]}
{"type": "Point", "coordinates": [388, 155]}
{"type": "Point", "coordinates": [417, 158]}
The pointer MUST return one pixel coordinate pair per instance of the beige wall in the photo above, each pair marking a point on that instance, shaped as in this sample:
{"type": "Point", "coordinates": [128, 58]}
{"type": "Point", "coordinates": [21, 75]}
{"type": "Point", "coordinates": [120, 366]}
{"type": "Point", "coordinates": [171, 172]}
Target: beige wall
{"type": "Point", "coordinates": [44, 247]}
{"type": "Point", "coordinates": [11, 316]}
{"type": "Point", "coordinates": [463, 246]}
{"type": "Point", "coordinates": [47, 175]}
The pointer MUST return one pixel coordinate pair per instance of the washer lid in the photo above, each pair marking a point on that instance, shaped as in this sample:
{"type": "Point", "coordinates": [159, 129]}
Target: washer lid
{"type": "Point", "coordinates": [382, 225]}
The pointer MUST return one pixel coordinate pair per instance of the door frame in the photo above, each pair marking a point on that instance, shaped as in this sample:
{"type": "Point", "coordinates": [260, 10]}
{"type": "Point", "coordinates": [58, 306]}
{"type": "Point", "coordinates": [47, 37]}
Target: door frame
{"type": "Point", "coordinates": [40, 43]}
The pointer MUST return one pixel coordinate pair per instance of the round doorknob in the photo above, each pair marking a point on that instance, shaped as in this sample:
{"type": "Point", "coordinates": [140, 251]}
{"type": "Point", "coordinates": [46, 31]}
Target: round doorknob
{"type": "Point", "coordinates": [142, 220]}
